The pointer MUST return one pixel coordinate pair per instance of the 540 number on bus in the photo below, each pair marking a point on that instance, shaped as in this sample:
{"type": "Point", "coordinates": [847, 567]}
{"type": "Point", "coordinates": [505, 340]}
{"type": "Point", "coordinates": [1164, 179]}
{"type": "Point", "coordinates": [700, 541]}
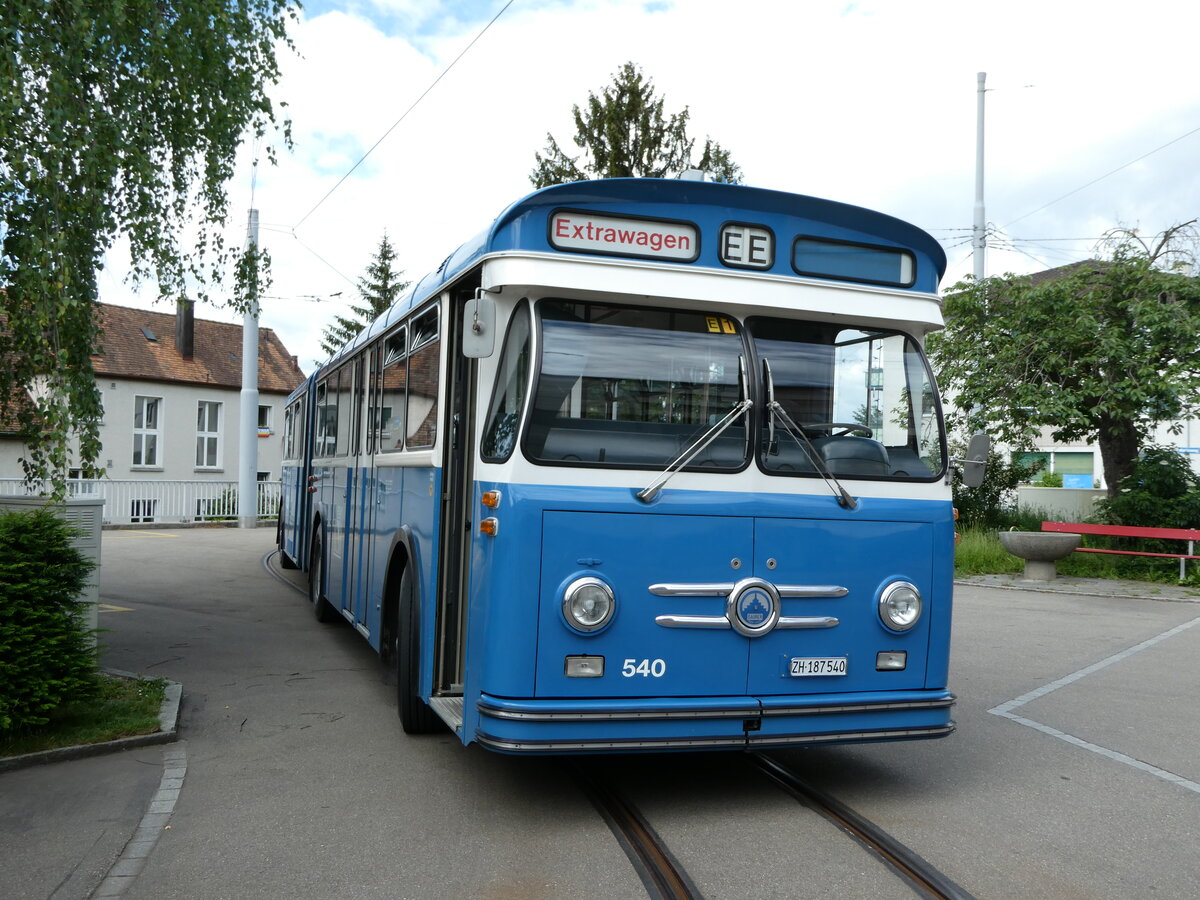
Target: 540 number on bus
{"type": "Point", "coordinates": [647, 668]}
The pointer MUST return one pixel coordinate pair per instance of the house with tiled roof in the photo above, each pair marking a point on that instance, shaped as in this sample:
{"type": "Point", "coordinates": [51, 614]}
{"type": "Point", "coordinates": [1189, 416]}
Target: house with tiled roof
{"type": "Point", "coordinates": [170, 386]}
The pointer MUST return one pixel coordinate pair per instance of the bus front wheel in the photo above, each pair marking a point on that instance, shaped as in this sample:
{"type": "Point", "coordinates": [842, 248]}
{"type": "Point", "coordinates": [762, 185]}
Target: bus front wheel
{"type": "Point", "coordinates": [322, 609]}
{"type": "Point", "coordinates": [415, 715]}
{"type": "Point", "coordinates": [284, 560]}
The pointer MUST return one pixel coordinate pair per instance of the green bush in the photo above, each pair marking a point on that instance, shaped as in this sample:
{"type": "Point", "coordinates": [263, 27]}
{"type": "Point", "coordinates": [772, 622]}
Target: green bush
{"type": "Point", "coordinates": [1162, 491]}
{"type": "Point", "coordinates": [1049, 479]}
{"type": "Point", "coordinates": [47, 653]}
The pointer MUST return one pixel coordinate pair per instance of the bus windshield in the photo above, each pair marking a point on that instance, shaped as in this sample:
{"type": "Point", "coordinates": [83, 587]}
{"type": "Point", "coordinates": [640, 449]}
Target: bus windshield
{"type": "Point", "coordinates": [863, 397]}
{"type": "Point", "coordinates": [634, 387]}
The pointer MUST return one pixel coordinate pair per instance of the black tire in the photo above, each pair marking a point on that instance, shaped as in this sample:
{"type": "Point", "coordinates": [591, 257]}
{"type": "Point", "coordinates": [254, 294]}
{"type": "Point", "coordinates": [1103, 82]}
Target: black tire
{"type": "Point", "coordinates": [322, 609]}
{"type": "Point", "coordinates": [285, 561]}
{"type": "Point", "coordinates": [415, 715]}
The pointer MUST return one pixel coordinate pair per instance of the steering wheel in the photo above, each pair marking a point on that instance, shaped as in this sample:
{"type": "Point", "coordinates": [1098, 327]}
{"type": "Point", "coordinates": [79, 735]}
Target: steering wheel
{"type": "Point", "coordinates": [846, 428]}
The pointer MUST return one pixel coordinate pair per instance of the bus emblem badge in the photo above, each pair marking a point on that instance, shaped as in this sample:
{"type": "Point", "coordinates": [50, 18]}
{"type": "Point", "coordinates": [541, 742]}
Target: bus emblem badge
{"type": "Point", "coordinates": [754, 608]}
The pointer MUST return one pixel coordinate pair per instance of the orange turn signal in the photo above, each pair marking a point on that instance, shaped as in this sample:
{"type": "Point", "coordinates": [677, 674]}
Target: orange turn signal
{"type": "Point", "coordinates": [491, 499]}
{"type": "Point", "coordinates": [490, 526]}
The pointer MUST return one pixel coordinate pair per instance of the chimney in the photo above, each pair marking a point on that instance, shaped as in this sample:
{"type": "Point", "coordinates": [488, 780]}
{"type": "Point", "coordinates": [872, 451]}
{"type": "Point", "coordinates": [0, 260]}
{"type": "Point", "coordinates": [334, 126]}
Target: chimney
{"type": "Point", "coordinates": [185, 327]}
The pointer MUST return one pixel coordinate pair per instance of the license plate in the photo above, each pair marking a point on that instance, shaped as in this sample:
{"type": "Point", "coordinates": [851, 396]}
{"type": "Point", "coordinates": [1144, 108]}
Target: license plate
{"type": "Point", "coordinates": [806, 666]}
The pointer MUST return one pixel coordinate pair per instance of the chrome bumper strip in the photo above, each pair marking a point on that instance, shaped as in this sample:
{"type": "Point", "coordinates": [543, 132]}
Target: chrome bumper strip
{"type": "Point", "coordinates": [850, 737]}
{"type": "Point", "coordinates": [903, 706]}
{"type": "Point", "coordinates": [732, 742]}
{"type": "Point", "coordinates": [732, 712]}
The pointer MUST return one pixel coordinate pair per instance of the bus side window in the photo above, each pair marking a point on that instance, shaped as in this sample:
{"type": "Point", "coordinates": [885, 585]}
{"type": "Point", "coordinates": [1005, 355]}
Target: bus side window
{"type": "Point", "coordinates": [289, 430]}
{"type": "Point", "coordinates": [342, 433]}
{"type": "Point", "coordinates": [326, 416]}
{"type": "Point", "coordinates": [508, 398]}
{"type": "Point", "coordinates": [424, 360]}
{"type": "Point", "coordinates": [393, 391]}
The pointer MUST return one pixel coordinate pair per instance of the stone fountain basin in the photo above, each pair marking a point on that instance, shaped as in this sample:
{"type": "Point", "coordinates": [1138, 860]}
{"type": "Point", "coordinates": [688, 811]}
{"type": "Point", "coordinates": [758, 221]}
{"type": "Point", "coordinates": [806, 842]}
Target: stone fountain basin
{"type": "Point", "coordinates": [1039, 546]}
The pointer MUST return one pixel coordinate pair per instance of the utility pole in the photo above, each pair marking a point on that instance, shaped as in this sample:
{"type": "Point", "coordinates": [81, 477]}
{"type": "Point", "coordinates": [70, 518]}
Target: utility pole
{"type": "Point", "coordinates": [979, 236]}
{"type": "Point", "coordinates": [248, 430]}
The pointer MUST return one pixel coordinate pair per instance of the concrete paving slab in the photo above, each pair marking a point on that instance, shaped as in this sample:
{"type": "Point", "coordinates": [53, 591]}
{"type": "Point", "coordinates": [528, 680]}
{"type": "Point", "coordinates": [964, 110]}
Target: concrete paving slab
{"type": "Point", "coordinates": [62, 826]}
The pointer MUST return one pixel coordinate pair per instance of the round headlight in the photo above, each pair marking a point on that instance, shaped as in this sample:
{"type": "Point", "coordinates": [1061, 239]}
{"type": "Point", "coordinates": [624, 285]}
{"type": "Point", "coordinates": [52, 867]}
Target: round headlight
{"type": "Point", "coordinates": [900, 606]}
{"type": "Point", "coordinates": [588, 604]}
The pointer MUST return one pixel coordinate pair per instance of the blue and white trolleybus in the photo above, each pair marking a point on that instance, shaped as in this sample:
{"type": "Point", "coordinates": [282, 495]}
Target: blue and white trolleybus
{"type": "Point", "coordinates": [648, 465]}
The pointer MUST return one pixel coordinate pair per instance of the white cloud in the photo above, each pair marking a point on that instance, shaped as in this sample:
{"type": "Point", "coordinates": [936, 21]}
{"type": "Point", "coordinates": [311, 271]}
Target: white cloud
{"type": "Point", "coordinates": [872, 103]}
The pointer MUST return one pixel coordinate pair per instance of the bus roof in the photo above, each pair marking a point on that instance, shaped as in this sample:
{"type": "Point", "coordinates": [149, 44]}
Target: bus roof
{"type": "Point", "coordinates": [525, 226]}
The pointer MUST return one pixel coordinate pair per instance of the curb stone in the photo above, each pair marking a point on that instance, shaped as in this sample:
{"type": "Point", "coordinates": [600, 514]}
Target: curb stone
{"type": "Point", "coordinates": [168, 732]}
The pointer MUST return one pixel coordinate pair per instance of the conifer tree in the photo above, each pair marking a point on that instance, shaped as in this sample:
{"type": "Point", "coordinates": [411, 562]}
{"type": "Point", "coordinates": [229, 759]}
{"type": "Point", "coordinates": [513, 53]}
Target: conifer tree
{"type": "Point", "coordinates": [378, 289]}
{"type": "Point", "coordinates": [624, 133]}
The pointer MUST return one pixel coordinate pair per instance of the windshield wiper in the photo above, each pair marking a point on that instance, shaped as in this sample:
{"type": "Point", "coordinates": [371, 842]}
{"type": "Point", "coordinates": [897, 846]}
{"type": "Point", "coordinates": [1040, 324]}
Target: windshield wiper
{"type": "Point", "coordinates": [740, 408]}
{"type": "Point", "coordinates": [801, 437]}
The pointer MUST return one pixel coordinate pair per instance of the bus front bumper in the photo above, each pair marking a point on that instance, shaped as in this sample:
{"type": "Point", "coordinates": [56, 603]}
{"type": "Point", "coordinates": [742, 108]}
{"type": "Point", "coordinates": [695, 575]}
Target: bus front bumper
{"type": "Point", "coordinates": [710, 723]}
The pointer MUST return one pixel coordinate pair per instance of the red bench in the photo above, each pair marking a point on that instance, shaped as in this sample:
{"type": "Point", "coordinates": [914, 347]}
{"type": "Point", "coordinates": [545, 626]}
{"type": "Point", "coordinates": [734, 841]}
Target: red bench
{"type": "Point", "coordinates": [1191, 535]}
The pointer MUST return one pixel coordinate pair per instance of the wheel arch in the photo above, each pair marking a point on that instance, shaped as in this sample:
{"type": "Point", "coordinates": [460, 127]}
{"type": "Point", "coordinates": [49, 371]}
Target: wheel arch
{"type": "Point", "coordinates": [401, 555]}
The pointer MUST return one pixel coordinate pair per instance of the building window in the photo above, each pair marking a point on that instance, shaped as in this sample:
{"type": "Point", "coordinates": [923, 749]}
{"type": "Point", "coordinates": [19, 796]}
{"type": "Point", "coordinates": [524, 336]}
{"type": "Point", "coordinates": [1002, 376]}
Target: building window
{"type": "Point", "coordinates": [142, 510]}
{"type": "Point", "coordinates": [146, 423]}
{"type": "Point", "coordinates": [208, 434]}
{"type": "Point", "coordinates": [264, 421]}
{"type": "Point", "coordinates": [78, 483]}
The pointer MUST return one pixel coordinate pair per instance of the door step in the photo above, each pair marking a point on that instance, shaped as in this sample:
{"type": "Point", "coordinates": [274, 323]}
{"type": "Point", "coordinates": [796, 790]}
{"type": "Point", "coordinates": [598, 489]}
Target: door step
{"type": "Point", "coordinates": [450, 710]}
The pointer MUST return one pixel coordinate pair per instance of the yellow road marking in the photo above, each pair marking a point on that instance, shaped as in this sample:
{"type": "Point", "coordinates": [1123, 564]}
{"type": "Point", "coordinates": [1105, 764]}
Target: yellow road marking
{"type": "Point", "coordinates": [108, 607]}
{"type": "Point", "coordinates": [126, 532]}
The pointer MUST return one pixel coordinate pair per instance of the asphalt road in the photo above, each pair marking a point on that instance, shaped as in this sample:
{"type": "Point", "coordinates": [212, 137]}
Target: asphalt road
{"type": "Point", "coordinates": [1074, 773]}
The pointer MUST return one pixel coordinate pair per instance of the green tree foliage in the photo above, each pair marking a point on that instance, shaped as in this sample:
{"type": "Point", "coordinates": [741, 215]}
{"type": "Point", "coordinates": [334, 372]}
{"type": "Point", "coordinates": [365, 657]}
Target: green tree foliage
{"type": "Point", "coordinates": [47, 655]}
{"type": "Point", "coordinates": [623, 133]}
{"type": "Point", "coordinates": [378, 289]}
{"type": "Point", "coordinates": [1101, 351]}
{"type": "Point", "coordinates": [1161, 491]}
{"type": "Point", "coordinates": [116, 118]}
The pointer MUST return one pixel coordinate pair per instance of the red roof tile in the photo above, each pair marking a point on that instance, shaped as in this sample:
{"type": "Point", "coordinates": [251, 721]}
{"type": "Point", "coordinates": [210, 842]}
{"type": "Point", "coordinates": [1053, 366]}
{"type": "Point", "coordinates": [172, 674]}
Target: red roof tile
{"type": "Point", "coordinates": [127, 352]}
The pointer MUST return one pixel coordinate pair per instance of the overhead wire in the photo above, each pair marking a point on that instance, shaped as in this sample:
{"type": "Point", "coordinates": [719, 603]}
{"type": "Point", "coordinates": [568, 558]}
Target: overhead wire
{"type": "Point", "coordinates": [1102, 177]}
{"type": "Point", "coordinates": [403, 116]}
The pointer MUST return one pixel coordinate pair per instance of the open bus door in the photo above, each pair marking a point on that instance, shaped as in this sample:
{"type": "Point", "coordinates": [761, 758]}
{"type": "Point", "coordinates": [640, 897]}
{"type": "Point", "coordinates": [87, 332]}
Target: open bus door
{"type": "Point", "coordinates": [457, 525]}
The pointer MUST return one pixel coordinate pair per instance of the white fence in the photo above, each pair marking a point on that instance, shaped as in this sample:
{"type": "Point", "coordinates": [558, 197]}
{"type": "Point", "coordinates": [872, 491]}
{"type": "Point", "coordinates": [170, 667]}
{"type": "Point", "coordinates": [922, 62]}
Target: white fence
{"type": "Point", "coordinates": [167, 502]}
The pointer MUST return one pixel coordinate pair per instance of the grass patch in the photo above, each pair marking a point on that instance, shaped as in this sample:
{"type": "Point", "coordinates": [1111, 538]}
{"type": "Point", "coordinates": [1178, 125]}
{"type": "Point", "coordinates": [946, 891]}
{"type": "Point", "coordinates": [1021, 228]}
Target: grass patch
{"type": "Point", "coordinates": [122, 707]}
{"type": "Point", "coordinates": [980, 552]}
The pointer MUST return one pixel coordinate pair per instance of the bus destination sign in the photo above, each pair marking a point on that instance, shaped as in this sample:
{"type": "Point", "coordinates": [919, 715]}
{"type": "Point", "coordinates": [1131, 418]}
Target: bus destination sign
{"type": "Point", "coordinates": [589, 233]}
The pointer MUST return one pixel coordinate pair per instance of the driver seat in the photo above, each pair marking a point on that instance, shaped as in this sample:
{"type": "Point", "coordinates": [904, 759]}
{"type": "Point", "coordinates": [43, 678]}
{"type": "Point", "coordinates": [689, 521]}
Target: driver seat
{"type": "Point", "coordinates": [847, 455]}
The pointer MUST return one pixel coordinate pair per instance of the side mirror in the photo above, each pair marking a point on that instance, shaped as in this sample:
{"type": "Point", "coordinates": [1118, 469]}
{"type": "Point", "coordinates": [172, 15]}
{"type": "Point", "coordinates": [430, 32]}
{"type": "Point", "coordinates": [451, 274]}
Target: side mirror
{"type": "Point", "coordinates": [974, 465]}
{"type": "Point", "coordinates": [479, 328]}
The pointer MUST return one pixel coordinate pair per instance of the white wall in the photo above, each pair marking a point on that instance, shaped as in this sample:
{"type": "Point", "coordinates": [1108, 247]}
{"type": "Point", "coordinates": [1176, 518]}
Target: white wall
{"type": "Point", "coordinates": [176, 433]}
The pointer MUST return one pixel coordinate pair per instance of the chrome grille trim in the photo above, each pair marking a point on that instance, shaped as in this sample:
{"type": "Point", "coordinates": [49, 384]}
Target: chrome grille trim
{"type": "Point", "coordinates": [723, 589]}
{"type": "Point", "coordinates": [808, 622]}
{"type": "Point", "coordinates": [671, 621]}
{"type": "Point", "coordinates": [811, 590]}
{"type": "Point", "coordinates": [709, 589]}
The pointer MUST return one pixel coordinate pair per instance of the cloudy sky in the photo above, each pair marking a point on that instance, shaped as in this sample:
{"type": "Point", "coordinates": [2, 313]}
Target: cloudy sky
{"type": "Point", "coordinates": [1092, 119]}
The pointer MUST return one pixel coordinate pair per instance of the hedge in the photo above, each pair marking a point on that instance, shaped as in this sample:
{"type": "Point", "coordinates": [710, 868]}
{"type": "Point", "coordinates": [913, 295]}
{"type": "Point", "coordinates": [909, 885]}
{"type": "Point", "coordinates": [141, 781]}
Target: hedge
{"type": "Point", "coordinates": [47, 651]}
